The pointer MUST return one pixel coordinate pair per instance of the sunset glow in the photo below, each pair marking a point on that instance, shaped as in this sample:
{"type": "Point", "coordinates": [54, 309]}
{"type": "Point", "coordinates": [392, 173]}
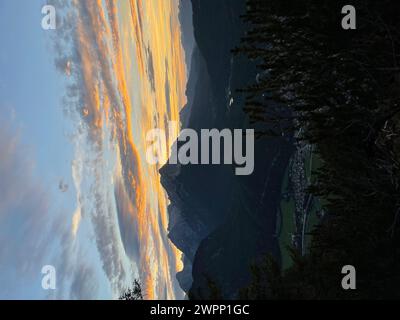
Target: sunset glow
{"type": "Point", "coordinates": [134, 73]}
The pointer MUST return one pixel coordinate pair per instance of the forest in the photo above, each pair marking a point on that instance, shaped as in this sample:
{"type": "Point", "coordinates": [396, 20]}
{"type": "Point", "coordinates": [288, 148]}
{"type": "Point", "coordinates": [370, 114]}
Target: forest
{"type": "Point", "coordinates": [338, 91]}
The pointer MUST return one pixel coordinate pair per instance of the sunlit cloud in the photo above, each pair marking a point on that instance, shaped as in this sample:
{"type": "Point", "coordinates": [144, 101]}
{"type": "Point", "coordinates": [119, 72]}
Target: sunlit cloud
{"type": "Point", "coordinates": [127, 75]}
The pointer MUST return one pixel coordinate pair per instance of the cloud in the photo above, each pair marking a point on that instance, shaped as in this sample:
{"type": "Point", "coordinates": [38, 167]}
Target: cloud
{"type": "Point", "coordinates": [34, 232]}
{"type": "Point", "coordinates": [27, 220]}
{"type": "Point", "coordinates": [24, 209]}
{"type": "Point", "coordinates": [119, 198]}
{"type": "Point", "coordinates": [84, 283]}
{"type": "Point", "coordinates": [98, 94]}
{"type": "Point", "coordinates": [77, 168]}
{"type": "Point", "coordinates": [76, 219]}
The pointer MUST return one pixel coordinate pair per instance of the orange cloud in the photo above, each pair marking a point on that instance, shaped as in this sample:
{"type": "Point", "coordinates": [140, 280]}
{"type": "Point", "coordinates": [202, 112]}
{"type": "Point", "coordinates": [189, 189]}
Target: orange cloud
{"type": "Point", "coordinates": [134, 76]}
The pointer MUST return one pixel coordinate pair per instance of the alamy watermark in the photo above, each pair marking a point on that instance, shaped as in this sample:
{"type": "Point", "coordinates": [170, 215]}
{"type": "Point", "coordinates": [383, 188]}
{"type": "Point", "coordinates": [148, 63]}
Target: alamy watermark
{"type": "Point", "coordinates": [349, 280]}
{"type": "Point", "coordinates": [49, 277]}
{"type": "Point", "coordinates": [349, 20]}
{"type": "Point", "coordinates": [204, 147]}
{"type": "Point", "coordinates": [49, 19]}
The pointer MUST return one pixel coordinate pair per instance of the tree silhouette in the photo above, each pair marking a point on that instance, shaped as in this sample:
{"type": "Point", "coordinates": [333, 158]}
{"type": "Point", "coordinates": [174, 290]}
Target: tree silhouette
{"type": "Point", "coordinates": [134, 293]}
{"type": "Point", "coordinates": [340, 92]}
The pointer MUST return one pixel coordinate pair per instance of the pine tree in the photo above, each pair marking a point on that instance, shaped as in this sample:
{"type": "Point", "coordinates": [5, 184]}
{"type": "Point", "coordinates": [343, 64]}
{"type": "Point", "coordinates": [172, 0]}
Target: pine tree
{"type": "Point", "coordinates": [339, 91]}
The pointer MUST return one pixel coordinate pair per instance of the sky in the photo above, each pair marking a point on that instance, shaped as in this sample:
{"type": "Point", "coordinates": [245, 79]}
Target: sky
{"type": "Point", "coordinates": [76, 191]}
